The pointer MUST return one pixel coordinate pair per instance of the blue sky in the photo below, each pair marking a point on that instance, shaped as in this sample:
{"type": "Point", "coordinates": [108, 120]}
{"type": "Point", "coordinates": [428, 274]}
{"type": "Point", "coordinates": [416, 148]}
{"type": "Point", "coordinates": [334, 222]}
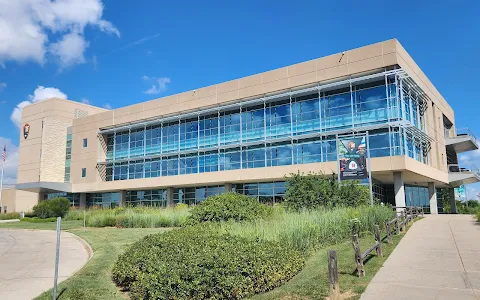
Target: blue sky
{"type": "Point", "coordinates": [114, 53]}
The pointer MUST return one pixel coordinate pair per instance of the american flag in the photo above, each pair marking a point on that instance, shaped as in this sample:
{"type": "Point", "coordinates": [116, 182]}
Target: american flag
{"type": "Point", "coordinates": [4, 153]}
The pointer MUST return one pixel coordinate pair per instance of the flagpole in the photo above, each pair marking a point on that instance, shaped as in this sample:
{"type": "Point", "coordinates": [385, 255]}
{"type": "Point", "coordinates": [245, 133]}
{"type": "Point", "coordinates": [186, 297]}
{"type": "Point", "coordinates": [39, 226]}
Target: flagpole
{"type": "Point", "coordinates": [1, 186]}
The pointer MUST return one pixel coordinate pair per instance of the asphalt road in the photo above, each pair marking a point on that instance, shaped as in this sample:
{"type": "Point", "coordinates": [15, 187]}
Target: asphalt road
{"type": "Point", "coordinates": [27, 261]}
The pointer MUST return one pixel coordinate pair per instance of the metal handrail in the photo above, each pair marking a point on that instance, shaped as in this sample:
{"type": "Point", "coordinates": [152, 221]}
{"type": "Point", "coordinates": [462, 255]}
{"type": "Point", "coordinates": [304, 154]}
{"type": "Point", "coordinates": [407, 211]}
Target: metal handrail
{"type": "Point", "coordinates": [456, 168]}
{"type": "Point", "coordinates": [465, 131]}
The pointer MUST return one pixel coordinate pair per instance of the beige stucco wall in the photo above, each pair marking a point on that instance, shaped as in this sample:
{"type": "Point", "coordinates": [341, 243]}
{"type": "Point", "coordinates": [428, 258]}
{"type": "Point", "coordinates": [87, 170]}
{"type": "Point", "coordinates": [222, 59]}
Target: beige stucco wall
{"type": "Point", "coordinates": [8, 200]}
{"type": "Point", "coordinates": [42, 153]}
{"type": "Point", "coordinates": [25, 201]}
{"type": "Point", "coordinates": [364, 60]}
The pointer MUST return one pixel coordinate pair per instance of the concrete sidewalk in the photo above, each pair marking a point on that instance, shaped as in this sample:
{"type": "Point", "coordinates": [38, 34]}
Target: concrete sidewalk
{"type": "Point", "coordinates": [27, 261]}
{"type": "Point", "coordinates": [439, 258]}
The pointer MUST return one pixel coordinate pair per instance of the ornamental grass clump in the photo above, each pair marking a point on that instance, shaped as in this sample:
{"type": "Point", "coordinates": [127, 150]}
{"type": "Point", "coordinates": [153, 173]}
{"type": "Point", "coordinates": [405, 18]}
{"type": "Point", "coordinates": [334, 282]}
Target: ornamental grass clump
{"type": "Point", "coordinates": [200, 262]}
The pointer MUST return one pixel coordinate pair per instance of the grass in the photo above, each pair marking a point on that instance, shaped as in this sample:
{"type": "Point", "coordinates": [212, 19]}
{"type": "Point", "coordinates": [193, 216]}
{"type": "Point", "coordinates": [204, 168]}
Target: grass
{"type": "Point", "coordinates": [94, 280]}
{"type": "Point", "coordinates": [309, 230]}
{"type": "Point", "coordinates": [132, 217]}
{"type": "Point", "coordinates": [66, 225]}
{"type": "Point", "coordinates": [312, 282]}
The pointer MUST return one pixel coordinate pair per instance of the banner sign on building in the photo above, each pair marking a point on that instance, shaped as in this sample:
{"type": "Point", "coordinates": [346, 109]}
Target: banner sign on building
{"type": "Point", "coordinates": [353, 158]}
{"type": "Point", "coordinates": [460, 192]}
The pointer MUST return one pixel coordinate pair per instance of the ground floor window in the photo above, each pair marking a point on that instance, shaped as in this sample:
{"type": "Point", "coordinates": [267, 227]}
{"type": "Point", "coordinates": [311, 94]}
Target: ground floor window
{"type": "Point", "coordinates": [74, 198]}
{"type": "Point", "coordinates": [265, 192]}
{"type": "Point", "coordinates": [103, 199]}
{"type": "Point", "coordinates": [195, 195]}
{"type": "Point", "coordinates": [156, 198]}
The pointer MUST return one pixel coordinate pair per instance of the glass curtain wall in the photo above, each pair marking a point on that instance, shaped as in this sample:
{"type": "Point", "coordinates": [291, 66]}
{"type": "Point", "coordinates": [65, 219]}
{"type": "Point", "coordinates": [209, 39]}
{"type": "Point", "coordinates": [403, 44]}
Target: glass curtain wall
{"type": "Point", "coordinates": [283, 131]}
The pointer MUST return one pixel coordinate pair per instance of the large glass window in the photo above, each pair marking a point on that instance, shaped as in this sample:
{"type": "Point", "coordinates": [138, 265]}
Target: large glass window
{"type": "Point", "coordinates": [195, 195]}
{"type": "Point", "coordinates": [294, 129]}
{"type": "Point", "coordinates": [208, 131]}
{"type": "Point", "coordinates": [157, 198]}
{"type": "Point", "coordinates": [103, 199]}
{"type": "Point", "coordinates": [265, 192]}
{"type": "Point", "coordinates": [74, 198]}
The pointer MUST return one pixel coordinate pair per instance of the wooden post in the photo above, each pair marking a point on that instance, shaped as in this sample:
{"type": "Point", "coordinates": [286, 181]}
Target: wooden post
{"type": "Point", "coordinates": [358, 256]}
{"type": "Point", "coordinates": [378, 240]}
{"type": "Point", "coordinates": [389, 232]}
{"type": "Point", "coordinates": [333, 275]}
{"type": "Point", "coordinates": [397, 226]}
{"type": "Point", "coordinates": [422, 210]}
{"type": "Point", "coordinates": [404, 221]}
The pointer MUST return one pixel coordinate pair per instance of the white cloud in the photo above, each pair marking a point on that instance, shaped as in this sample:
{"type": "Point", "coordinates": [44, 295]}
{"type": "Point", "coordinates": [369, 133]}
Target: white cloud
{"type": "Point", "coordinates": [107, 106]}
{"type": "Point", "coordinates": [159, 84]}
{"type": "Point", "coordinates": [70, 49]}
{"type": "Point", "coordinates": [11, 163]}
{"type": "Point", "coordinates": [3, 85]}
{"type": "Point", "coordinates": [41, 93]}
{"type": "Point", "coordinates": [28, 27]}
{"type": "Point", "coordinates": [85, 101]}
{"type": "Point", "coordinates": [469, 158]}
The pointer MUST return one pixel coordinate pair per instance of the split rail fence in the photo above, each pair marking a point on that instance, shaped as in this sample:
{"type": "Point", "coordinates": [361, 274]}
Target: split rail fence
{"type": "Point", "coordinates": [394, 226]}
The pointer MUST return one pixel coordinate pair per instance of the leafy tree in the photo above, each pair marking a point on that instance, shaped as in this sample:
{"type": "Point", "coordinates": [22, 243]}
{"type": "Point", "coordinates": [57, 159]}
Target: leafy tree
{"type": "Point", "coordinates": [315, 190]}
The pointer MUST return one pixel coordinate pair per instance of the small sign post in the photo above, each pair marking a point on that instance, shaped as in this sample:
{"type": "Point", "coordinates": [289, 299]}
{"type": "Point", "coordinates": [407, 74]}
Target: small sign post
{"type": "Point", "coordinates": [57, 257]}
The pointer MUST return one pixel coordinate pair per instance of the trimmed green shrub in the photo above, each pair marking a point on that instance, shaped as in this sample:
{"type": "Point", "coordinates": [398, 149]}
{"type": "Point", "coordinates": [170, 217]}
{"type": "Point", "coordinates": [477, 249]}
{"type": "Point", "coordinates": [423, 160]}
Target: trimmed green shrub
{"type": "Point", "coordinates": [229, 207]}
{"type": "Point", "coordinates": [10, 216]}
{"type": "Point", "coordinates": [199, 262]}
{"type": "Point", "coordinates": [316, 190]}
{"type": "Point", "coordinates": [56, 207]}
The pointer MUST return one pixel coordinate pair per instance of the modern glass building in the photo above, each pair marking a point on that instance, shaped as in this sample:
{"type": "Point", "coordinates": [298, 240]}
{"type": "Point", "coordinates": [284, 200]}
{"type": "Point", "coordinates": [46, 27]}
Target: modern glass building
{"type": "Point", "coordinates": [246, 134]}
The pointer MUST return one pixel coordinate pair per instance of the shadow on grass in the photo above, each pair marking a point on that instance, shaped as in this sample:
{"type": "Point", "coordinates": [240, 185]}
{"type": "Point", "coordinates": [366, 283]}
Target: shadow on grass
{"type": "Point", "coordinates": [59, 296]}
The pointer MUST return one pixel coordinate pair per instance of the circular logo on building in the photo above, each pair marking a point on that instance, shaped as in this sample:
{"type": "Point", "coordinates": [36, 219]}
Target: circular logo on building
{"type": "Point", "coordinates": [26, 130]}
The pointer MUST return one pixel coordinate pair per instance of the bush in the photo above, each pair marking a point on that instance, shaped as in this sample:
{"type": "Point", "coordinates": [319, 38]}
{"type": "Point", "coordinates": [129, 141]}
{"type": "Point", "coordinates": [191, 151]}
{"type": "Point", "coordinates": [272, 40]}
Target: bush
{"type": "Point", "coordinates": [199, 262]}
{"type": "Point", "coordinates": [315, 190]}
{"type": "Point", "coordinates": [10, 216]}
{"type": "Point", "coordinates": [53, 208]}
{"type": "Point", "coordinates": [478, 216]}
{"type": "Point", "coordinates": [229, 206]}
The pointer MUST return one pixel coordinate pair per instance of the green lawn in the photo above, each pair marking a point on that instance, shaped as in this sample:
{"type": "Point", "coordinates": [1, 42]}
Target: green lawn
{"type": "Point", "coordinates": [312, 281]}
{"type": "Point", "coordinates": [66, 225]}
{"type": "Point", "coordinates": [94, 280]}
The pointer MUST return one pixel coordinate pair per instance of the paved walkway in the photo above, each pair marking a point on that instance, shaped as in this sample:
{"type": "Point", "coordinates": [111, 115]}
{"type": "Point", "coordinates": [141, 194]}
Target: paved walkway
{"type": "Point", "coordinates": [439, 258]}
{"type": "Point", "coordinates": [27, 261]}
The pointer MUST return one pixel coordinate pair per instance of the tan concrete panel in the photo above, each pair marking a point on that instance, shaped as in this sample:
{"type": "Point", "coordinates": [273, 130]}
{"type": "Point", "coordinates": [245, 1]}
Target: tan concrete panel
{"type": "Point", "coordinates": [228, 96]}
{"type": "Point", "coordinates": [275, 86]}
{"type": "Point", "coordinates": [30, 154]}
{"type": "Point", "coordinates": [25, 201]}
{"type": "Point", "coordinates": [206, 91]}
{"type": "Point", "coordinates": [302, 68]}
{"type": "Point", "coordinates": [228, 86]}
{"type": "Point", "coordinates": [8, 200]}
{"type": "Point", "coordinates": [365, 65]}
{"type": "Point", "coordinates": [389, 46]}
{"type": "Point", "coordinates": [30, 174]}
{"type": "Point", "coordinates": [365, 52]}
{"type": "Point", "coordinates": [186, 96]}
{"type": "Point", "coordinates": [249, 81]}
{"type": "Point", "coordinates": [167, 101]}
{"type": "Point", "coordinates": [250, 91]}
{"type": "Point", "coordinates": [303, 79]}
{"type": "Point", "coordinates": [331, 73]}
{"type": "Point", "coordinates": [201, 103]}
{"type": "Point", "coordinates": [390, 59]}
{"type": "Point", "coordinates": [332, 61]}
{"type": "Point", "coordinates": [275, 75]}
